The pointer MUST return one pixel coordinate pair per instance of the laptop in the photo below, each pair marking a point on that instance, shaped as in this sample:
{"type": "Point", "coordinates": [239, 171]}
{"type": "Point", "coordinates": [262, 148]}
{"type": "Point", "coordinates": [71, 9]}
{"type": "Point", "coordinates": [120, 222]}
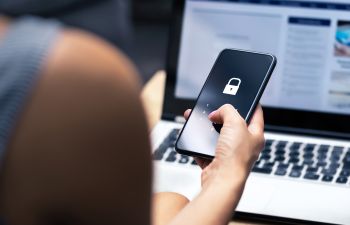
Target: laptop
{"type": "Point", "coordinates": [302, 175]}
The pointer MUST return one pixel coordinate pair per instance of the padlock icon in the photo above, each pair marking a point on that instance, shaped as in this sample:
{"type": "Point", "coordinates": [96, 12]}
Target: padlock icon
{"type": "Point", "coordinates": [232, 89]}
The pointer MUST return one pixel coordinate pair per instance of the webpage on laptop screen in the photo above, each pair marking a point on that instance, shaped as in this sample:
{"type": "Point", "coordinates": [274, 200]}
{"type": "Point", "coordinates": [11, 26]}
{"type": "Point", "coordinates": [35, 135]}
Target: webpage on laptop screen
{"type": "Point", "coordinates": [311, 40]}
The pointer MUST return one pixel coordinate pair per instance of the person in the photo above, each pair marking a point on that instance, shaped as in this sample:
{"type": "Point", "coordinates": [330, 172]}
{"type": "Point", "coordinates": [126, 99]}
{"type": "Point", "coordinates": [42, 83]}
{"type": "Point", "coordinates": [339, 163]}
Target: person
{"type": "Point", "coordinates": [74, 141]}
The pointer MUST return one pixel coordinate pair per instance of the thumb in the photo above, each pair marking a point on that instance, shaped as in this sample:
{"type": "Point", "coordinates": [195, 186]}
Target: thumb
{"type": "Point", "coordinates": [225, 114]}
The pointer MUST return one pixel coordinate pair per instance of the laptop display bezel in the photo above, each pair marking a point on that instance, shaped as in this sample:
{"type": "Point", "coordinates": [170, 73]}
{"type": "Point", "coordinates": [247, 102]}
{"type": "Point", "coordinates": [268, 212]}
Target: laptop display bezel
{"type": "Point", "coordinates": [276, 119]}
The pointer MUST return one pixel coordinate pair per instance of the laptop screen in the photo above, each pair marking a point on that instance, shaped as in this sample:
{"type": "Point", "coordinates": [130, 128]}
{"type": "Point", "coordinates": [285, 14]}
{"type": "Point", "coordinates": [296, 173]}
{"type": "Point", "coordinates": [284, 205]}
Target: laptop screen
{"type": "Point", "coordinates": [311, 40]}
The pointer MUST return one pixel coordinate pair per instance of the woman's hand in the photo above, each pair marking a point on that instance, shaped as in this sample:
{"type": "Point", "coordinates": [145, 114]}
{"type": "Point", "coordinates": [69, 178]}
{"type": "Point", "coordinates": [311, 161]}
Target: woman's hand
{"type": "Point", "coordinates": [224, 177]}
{"type": "Point", "coordinates": [238, 147]}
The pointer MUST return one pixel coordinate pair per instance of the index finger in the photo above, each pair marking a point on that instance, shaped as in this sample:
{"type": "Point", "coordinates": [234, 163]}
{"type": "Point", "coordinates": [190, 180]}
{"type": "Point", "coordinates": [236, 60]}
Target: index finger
{"type": "Point", "coordinates": [187, 113]}
{"type": "Point", "coordinates": [226, 114]}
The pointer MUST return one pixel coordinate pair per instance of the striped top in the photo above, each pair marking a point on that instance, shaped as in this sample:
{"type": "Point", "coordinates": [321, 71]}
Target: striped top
{"type": "Point", "coordinates": [23, 50]}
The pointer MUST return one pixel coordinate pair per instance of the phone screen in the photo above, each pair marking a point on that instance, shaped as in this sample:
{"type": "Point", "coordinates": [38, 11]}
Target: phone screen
{"type": "Point", "coordinates": [237, 78]}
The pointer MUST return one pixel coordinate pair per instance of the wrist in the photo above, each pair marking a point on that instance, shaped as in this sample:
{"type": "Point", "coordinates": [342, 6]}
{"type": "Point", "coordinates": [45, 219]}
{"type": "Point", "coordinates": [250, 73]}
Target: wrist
{"type": "Point", "coordinates": [228, 180]}
{"type": "Point", "coordinates": [224, 193]}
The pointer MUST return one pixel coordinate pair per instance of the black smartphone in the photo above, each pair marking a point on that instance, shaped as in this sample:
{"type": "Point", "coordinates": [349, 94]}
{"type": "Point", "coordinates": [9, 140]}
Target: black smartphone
{"type": "Point", "coordinates": [238, 78]}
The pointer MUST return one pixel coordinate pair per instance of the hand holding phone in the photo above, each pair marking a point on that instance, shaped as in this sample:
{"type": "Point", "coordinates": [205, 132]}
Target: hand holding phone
{"type": "Point", "coordinates": [238, 78]}
{"type": "Point", "coordinates": [234, 156]}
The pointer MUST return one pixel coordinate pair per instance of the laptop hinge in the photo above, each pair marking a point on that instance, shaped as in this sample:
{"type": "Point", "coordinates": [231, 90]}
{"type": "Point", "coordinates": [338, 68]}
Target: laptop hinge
{"type": "Point", "coordinates": [307, 132]}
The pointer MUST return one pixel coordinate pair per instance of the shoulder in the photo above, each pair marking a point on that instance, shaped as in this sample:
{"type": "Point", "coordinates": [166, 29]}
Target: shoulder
{"type": "Point", "coordinates": [86, 56]}
{"type": "Point", "coordinates": [90, 77]}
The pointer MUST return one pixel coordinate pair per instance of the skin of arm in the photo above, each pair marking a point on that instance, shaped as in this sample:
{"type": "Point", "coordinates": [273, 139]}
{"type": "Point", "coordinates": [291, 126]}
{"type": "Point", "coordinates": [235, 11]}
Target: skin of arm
{"type": "Point", "coordinates": [166, 206]}
{"type": "Point", "coordinates": [214, 205]}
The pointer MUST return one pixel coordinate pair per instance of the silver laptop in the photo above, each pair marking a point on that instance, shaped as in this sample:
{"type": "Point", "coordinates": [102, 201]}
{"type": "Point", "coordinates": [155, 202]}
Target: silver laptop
{"type": "Point", "coordinates": [303, 173]}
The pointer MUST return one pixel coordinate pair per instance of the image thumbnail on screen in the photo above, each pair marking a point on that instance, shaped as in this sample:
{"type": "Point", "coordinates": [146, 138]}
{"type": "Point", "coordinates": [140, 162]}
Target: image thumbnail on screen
{"type": "Point", "coordinates": [342, 44]}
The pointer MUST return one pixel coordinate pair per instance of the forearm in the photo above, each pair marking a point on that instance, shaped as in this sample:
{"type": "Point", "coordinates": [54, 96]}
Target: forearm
{"type": "Point", "coordinates": [214, 205]}
{"type": "Point", "coordinates": [166, 206]}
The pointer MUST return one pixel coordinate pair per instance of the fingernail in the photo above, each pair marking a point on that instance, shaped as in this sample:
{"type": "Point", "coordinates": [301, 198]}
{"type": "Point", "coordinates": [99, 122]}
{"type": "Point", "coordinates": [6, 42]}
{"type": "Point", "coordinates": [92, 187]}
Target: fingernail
{"type": "Point", "coordinates": [212, 114]}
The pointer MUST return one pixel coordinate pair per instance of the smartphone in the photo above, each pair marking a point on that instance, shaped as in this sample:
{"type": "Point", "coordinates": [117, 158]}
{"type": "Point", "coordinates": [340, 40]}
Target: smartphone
{"type": "Point", "coordinates": [238, 78]}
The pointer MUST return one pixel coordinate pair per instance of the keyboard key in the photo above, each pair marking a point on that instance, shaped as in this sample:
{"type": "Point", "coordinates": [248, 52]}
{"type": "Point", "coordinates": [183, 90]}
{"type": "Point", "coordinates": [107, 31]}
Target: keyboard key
{"type": "Point", "coordinates": [159, 153]}
{"type": "Point", "coordinates": [282, 166]}
{"type": "Point", "coordinates": [265, 156]}
{"type": "Point", "coordinates": [269, 164]}
{"type": "Point", "coordinates": [293, 160]}
{"type": "Point", "coordinates": [184, 159]}
{"type": "Point", "coordinates": [338, 149]}
{"type": "Point", "coordinates": [322, 156]}
{"type": "Point", "coordinates": [309, 147]}
{"type": "Point", "coordinates": [268, 142]}
{"type": "Point", "coordinates": [158, 156]}
{"type": "Point", "coordinates": [308, 162]}
{"type": "Point", "coordinates": [280, 158]}
{"type": "Point", "coordinates": [175, 132]}
{"type": "Point", "coordinates": [342, 180]}
{"type": "Point", "coordinates": [329, 171]}
{"type": "Point", "coordinates": [295, 173]}
{"type": "Point", "coordinates": [345, 173]}
{"type": "Point", "coordinates": [346, 161]}
{"type": "Point", "coordinates": [323, 152]}
{"type": "Point", "coordinates": [327, 178]}
{"type": "Point", "coordinates": [337, 152]}
{"type": "Point", "coordinates": [323, 149]}
{"type": "Point", "coordinates": [281, 144]}
{"type": "Point", "coordinates": [294, 150]}
{"type": "Point", "coordinates": [334, 165]}
{"type": "Point", "coordinates": [295, 146]}
{"type": "Point", "coordinates": [321, 164]}
{"type": "Point", "coordinates": [311, 176]}
{"type": "Point", "coordinates": [309, 150]}
{"type": "Point", "coordinates": [170, 142]}
{"type": "Point", "coordinates": [308, 156]}
{"type": "Point", "coordinates": [171, 157]}
{"type": "Point", "coordinates": [162, 148]}
{"type": "Point", "coordinates": [294, 154]}
{"type": "Point", "coordinates": [335, 158]}
{"type": "Point", "coordinates": [171, 139]}
{"type": "Point", "coordinates": [267, 150]}
{"type": "Point", "coordinates": [312, 169]}
{"type": "Point", "coordinates": [346, 166]}
{"type": "Point", "coordinates": [280, 152]}
{"type": "Point", "coordinates": [297, 167]}
{"type": "Point", "coordinates": [262, 170]}
{"type": "Point", "coordinates": [281, 172]}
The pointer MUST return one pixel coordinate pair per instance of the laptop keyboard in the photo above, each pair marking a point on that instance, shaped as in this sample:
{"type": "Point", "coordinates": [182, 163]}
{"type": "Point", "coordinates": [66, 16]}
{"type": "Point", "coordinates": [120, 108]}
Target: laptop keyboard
{"type": "Point", "coordinates": [296, 160]}
{"type": "Point", "coordinates": [166, 151]}
{"type": "Point", "coordinates": [325, 163]}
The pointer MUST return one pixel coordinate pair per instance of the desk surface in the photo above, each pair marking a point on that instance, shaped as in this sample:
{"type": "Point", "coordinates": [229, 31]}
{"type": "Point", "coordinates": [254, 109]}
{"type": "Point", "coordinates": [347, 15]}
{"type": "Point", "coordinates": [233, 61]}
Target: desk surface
{"type": "Point", "coordinates": [152, 97]}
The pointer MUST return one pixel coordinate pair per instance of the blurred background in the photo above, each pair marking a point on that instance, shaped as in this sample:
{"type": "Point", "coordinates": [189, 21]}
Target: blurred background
{"type": "Point", "coordinates": [150, 24]}
{"type": "Point", "coordinates": [140, 28]}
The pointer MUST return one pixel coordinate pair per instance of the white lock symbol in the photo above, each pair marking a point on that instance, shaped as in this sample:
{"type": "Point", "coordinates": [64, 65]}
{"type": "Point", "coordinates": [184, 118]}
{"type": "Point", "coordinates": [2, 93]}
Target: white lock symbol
{"type": "Point", "coordinates": [232, 89]}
